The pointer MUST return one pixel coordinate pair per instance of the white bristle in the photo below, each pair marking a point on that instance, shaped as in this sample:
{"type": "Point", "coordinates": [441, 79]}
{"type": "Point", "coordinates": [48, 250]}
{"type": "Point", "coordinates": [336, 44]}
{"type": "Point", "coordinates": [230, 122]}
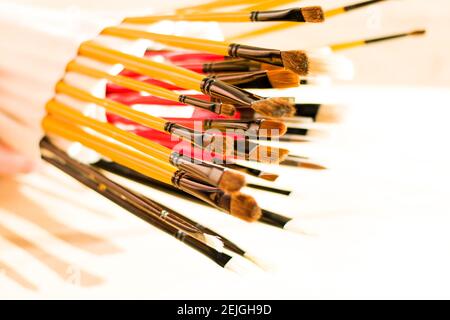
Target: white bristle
{"type": "Point", "coordinates": [330, 64]}
{"type": "Point", "coordinates": [264, 265]}
{"type": "Point", "coordinates": [297, 226]}
{"type": "Point", "coordinates": [214, 242]}
{"type": "Point", "coordinates": [240, 266]}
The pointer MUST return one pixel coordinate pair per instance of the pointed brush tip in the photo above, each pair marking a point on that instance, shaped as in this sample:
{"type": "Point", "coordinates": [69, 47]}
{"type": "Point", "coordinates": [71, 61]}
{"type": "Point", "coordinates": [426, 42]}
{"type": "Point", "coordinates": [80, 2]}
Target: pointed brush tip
{"type": "Point", "coordinates": [268, 176]}
{"type": "Point", "coordinates": [418, 32]}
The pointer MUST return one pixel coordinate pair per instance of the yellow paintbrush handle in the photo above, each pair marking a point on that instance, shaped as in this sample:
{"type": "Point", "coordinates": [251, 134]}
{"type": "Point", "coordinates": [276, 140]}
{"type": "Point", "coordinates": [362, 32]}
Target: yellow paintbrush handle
{"type": "Point", "coordinates": [125, 82]}
{"type": "Point", "coordinates": [181, 77]}
{"type": "Point", "coordinates": [217, 47]}
{"type": "Point", "coordinates": [122, 155]}
{"type": "Point", "coordinates": [113, 107]}
{"type": "Point", "coordinates": [239, 16]}
{"type": "Point", "coordinates": [146, 146]}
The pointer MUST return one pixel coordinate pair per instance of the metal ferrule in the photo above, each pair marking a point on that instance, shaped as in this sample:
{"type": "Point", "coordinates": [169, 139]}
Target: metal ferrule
{"type": "Point", "coordinates": [227, 92]}
{"type": "Point", "coordinates": [211, 195]}
{"type": "Point", "coordinates": [257, 79]}
{"type": "Point", "coordinates": [294, 14]}
{"type": "Point", "coordinates": [209, 173]}
{"type": "Point", "coordinates": [225, 125]}
{"type": "Point", "coordinates": [203, 140]}
{"type": "Point", "coordinates": [186, 134]}
{"type": "Point", "coordinates": [243, 148]}
{"type": "Point", "coordinates": [236, 65]}
{"type": "Point", "coordinates": [215, 107]}
{"type": "Point", "coordinates": [269, 56]}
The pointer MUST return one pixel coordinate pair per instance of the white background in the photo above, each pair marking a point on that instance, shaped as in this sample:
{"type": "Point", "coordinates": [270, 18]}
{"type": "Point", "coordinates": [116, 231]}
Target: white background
{"type": "Point", "coordinates": [378, 219]}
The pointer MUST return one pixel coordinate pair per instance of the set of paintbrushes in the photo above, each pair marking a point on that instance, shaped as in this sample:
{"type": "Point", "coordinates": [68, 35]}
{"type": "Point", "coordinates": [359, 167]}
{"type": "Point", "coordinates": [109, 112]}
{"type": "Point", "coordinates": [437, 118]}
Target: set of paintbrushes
{"type": "Point", "coordinates": [185, 119]}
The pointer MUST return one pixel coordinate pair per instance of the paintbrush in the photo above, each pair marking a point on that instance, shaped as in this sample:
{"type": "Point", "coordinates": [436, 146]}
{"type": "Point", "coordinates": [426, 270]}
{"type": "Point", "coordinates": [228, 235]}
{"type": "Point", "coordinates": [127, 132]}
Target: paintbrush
{"type": "Point", "coordinates": [312, 14]}
{"type": "Point", "coordinates": [237, 204]}
{"type": "Point", "coordinates": [298, 61]}
{"type": "Point", "coordinates": [200, 238]}
{"type": "Point", "coordinates": [285, 25]}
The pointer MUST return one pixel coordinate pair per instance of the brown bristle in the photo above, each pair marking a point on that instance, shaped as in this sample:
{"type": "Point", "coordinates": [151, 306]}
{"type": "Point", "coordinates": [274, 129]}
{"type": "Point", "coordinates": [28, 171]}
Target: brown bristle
{"type": "Point", "coordinates": [418, 32]}
{"type": "Point", "coordinates": [267, 154]}
{"type": "Point", "coordinates": [296, 61]}
{"type": "Point", "coordinates": [308, 165]}
{"type": "Point", "coordinates": [274, 107]}
{"type": "Point", "coordinates": [268, 176]}
{"type": "Point", "coordinates": [227, 109]}
{"type": "Point", "coordinates": [301, 164]}
{"type": "Point", "coordinates": [268, 67]}
{"type": "Point", "coordinates": [221, 144]}
{"type": "Point", "coordinates": [330, 114]}
{"type": "Point", "coordinates": [283, 79]}
{"type": "Point", "coordinates": [272, 128]}
{"type": "Point", "coordinates": [231, 182]}
{"type": "Point", "coordinates": [313, 14]}
{"type": "Point", "coordinates": [245, 207]}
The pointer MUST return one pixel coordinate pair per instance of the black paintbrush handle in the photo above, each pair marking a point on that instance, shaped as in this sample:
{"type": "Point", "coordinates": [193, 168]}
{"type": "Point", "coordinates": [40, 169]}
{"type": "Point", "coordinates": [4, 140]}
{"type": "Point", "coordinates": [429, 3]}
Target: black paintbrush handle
{"type": "Point", "coordinates": [137, 177]}
{"type": "Point", "coordinates": [220, 258]}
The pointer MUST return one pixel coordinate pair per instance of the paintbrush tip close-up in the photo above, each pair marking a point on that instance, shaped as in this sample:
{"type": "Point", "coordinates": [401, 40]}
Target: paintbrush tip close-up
{"type": "Point", "coordinates": [245, 207]}
{"type": "Point", "coordinates": [272, 128]}
{"type": "Point", "coordinates": [274, 107]}
{"type": "Point", "coordinates": [314, 14]}
{"type": "Point", "coordinates": [280, 78]}
{"type": "Point", "coordinates": [231, 181]}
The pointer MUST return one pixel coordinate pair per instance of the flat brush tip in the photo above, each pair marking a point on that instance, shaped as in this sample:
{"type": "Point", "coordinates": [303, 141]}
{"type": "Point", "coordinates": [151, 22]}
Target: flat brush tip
{"type": "Point", "coordinates": [313, 14]}
{"type": "Point", "coordinates": [245, 207]}
{"type": "Point", "coordinates": [296, 61]}
{"type": "Point", "coordinates": [274, 107]}
{"type": "Point", "coordinates": [280, 79]}
{"type": "Point", "coordinates": [231, 181]}
{"type": "Point", "coordinates": [272, 128]}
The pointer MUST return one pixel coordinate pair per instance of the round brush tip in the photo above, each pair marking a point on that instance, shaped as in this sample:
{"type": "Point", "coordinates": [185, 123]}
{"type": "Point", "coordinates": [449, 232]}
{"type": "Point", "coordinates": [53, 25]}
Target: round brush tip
{"type": "Point", "coordinates": [245, 207]}
{"type": "Point", "coordinates": [231, 181]}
